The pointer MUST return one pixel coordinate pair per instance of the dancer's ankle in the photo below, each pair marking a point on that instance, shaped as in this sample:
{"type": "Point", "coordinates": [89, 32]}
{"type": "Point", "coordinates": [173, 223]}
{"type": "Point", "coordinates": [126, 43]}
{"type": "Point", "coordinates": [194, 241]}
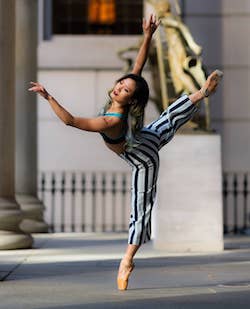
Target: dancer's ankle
{"type": "Point", "coordinates": [127, 259]}
{"type": "Point", "coordinates": [204, 93]}
{"type": "Point", "coordinates": [211, 83]}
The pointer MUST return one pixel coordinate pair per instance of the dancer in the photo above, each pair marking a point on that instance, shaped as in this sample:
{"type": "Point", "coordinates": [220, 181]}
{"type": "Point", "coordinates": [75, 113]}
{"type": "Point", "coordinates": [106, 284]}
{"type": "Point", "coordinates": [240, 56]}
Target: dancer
{"type": "Point", "coordinates": [121, 126]}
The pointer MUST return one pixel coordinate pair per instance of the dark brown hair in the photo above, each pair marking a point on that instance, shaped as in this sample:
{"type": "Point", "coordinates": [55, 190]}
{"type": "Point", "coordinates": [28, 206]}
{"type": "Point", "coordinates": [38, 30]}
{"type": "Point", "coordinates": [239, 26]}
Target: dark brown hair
{"type": "Point", "coordinates": [140, 97]}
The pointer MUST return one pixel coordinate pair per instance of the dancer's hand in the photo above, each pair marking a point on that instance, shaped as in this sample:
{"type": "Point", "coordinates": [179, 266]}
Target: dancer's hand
{"type": "Point", "coordinates": [38, 88]}
{"type": "Point", "coordinates": [149, 26]}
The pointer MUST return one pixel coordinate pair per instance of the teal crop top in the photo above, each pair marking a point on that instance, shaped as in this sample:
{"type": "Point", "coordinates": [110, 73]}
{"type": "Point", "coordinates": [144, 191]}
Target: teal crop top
{"type": "Point", "coordinates": [120, 138]}
{"type": "Point", "coordinates": [119, 115]}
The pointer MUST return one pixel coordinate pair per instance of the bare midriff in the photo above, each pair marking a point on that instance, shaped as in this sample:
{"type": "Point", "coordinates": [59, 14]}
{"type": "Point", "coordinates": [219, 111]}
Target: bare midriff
{"type": "Point", "coordinates": [117, 148]}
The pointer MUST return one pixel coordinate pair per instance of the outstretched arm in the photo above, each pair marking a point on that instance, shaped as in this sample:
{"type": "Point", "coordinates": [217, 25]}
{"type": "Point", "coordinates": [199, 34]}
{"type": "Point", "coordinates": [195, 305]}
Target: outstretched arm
{"type": "Point", "coordinates": [149, 27]}
{"type": "Point", "coordinates": [98, 124]}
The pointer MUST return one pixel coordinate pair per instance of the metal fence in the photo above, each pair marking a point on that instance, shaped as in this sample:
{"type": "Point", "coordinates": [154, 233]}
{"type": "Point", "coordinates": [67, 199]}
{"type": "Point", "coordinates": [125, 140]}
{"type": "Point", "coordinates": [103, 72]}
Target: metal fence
{"type": "Point", "coordinates": [236, 208]}
{"type": "Point", "coordinates": [99, 202]}
{"type": "Point", "coordinates": [85, 202]}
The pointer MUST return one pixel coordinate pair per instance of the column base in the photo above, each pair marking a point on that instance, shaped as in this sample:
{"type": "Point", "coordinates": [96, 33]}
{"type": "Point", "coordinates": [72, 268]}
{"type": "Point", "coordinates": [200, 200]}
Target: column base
{"type": "Point", "coordinates": [32, 208]}
{"type": "Point", "coordinates": [10, 215]}
{"type": "Point", "coordinates": [33, 226]}
{"type": "Point", "coordinates": [11, 240]}
{"type": "Point", "coordinates": [11, 237]}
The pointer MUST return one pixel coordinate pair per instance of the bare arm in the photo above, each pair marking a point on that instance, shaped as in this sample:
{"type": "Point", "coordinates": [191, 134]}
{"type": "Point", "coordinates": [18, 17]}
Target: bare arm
{"type": "Point", "coordinates": [149, 27]}
{"type": "Point", "coordinates": [97, 124]}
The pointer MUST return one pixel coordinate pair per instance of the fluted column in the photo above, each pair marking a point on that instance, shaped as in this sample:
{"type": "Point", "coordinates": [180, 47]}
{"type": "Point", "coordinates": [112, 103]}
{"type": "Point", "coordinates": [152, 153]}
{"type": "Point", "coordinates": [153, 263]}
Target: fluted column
{"type": "Point", "coordinates": [26, 117]}
{"type": "Point", "coordinates": [10, 214]}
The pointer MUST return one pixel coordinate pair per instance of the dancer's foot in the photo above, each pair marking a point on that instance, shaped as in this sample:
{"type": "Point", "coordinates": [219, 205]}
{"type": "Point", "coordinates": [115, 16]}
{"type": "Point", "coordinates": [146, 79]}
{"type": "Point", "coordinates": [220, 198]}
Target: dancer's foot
{"type": "Point", "coordinates": [211, 83]}
{"type": "Point", "coordinates": [124, 272]}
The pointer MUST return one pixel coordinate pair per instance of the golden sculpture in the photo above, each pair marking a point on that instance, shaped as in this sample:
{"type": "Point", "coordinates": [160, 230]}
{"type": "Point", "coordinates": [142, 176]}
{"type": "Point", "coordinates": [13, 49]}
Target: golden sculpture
{"type": "Point", "coordinates": [175, 62]}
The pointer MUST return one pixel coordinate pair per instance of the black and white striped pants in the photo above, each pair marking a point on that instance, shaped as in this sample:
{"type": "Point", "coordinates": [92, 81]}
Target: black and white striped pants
{"type": "Point", "coordinates": [144, 160]}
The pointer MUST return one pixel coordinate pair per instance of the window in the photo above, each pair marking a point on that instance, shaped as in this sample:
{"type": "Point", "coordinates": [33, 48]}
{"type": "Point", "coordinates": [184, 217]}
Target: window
{"type": "Point", "coordinates": [96, 16]}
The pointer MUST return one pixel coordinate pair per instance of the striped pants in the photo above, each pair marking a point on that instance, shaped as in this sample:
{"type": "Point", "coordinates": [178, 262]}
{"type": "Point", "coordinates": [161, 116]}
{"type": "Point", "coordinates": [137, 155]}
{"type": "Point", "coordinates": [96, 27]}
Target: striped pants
{"type": "Point", "coordinates": [144, 160]}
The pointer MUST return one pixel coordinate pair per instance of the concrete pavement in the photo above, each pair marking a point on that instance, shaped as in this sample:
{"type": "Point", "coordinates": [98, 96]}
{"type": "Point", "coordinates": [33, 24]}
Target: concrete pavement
{"type": "Point", "coordinates": [79, 271]}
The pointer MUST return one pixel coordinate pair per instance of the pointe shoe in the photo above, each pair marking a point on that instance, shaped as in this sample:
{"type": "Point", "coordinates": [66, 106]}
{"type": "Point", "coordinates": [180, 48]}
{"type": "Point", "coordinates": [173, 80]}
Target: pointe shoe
{"type": "Point", "coordinates": [211, 83]}
{"type": "Point", "coordinates": [122, 281]}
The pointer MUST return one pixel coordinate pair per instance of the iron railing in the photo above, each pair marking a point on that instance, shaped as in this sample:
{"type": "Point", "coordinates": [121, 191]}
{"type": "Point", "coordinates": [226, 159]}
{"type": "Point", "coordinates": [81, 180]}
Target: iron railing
{"type": "Point", "coordinates": [85, 201]}
{"type": "Point", "coordinates": [236, 188]}
{"type": "Point", "coordinates": [99, 201]}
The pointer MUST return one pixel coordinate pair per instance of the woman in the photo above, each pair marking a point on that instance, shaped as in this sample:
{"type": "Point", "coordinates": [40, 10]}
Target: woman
{"type": "Point", "coordinates": [139, 148]}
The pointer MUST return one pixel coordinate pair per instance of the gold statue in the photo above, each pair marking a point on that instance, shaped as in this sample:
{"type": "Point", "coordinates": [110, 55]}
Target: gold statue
{"type": "Point", "coordinates": [175, 63]}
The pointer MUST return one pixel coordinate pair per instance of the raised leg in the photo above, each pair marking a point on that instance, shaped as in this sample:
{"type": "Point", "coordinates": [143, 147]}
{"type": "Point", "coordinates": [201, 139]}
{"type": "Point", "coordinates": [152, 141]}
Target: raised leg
{"type": "Point", "coordinates": [182, 110]}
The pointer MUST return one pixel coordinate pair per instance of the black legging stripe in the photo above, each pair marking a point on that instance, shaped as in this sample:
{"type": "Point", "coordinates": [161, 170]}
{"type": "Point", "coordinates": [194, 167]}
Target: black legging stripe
{"type": "Point", "coordinates": [135, 182]}
{"type": "Point", "coordinates": [144, 194]}
{"type": "Point", "coordinates": [155, 164]}
{"type": "Point", "coordinates": [170, 109]}
{"type": "Point", "coordinates": [166, 140]}
{"type": "Point", "coordinates": [170, 122]}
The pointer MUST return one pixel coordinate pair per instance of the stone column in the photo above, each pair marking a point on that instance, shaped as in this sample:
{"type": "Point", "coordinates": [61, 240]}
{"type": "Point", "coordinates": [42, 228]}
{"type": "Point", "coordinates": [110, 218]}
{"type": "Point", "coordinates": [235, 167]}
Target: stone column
{"type": "Point", "coordinates": [10, 214]}
{"type": "Point", "coordinates": [26, 117]}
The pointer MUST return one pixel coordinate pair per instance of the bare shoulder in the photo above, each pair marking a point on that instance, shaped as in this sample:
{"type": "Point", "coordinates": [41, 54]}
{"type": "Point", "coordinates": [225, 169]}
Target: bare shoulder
{"type": "Point", "coordinates": [111, 120]}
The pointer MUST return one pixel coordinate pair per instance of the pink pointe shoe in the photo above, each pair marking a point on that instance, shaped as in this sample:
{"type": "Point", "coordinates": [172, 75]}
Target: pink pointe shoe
{"type": "Point", "coordinates": [123, 275]}
{"type": "Point", "coordinates": [211, 83]}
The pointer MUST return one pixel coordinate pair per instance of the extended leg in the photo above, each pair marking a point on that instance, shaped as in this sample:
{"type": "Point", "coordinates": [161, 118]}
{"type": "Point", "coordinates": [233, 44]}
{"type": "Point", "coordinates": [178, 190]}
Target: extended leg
{"type": "Point", "coordinates": [182, 110]}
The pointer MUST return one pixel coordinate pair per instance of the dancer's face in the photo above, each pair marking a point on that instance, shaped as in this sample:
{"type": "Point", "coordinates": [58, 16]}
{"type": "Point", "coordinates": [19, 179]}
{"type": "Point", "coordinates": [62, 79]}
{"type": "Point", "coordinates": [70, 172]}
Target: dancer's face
{"type": "Point", "coordinates": [123, 91]}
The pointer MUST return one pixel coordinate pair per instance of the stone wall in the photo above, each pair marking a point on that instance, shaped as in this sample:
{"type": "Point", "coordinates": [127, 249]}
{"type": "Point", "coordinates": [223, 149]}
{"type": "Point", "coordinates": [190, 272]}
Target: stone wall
{"type": "Point", "coordinates": [79, 70]}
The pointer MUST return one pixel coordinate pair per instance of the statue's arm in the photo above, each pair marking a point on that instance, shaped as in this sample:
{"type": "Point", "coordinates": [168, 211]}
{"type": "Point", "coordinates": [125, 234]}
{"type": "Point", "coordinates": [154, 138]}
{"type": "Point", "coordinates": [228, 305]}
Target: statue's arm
{"type": "Point", "coordinates": [185, 33]}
